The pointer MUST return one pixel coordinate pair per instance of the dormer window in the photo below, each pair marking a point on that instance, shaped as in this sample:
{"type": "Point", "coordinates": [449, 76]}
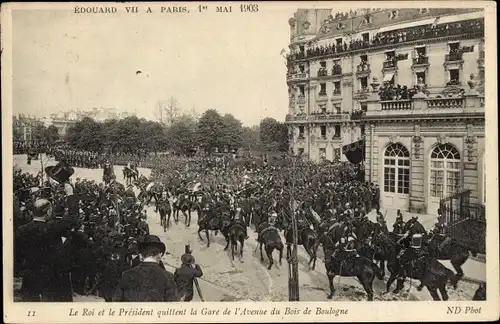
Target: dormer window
{"type": "Point", "coordinates": [423, 10]}
{"type": "Point", "coordinates": [393, 14]}
{"type": "Point", "coordinates": [338, 41]}
{"type": "Point", "coordinates": [366, 37]}
{"type": "Point", "coordinates": [367, 20]}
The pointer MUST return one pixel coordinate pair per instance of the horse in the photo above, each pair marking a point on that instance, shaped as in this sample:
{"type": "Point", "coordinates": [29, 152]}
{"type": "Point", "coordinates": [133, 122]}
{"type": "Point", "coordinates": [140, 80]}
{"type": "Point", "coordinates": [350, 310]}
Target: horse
{"type": "Point", "coordinates": [339, 263]}
{"type": "Point", "coordinates": [432, 275]}
{"type": "Point", "coordinates": [236, 233]}
{"type": "Point", "coordinates": [130, 174]}
{"type": "Point", "coordinates": [453, 251]}
{"type": "Point", "coordinates": [270, 238]}
{"type": "Point", "coordinates": [164, 208]}
{"type": "Point", "coordinates": [152, 190]}
{"type": "Point", "coordinates": [480, 293]}
{"type": "Point", "coordinates": [209, 222]}
{"type": "Point", "coordinates": [305, 237]}
{"type": "Point", "coordinates": [185, 205]}
{"type": "Point", "coordinates": [108, 173]}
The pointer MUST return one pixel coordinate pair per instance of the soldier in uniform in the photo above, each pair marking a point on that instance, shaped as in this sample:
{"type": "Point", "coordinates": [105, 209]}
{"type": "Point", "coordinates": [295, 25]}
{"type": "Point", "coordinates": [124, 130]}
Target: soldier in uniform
{"type": "Point", "coordinates": [397, 227]}
{"type": "Point", "coordinates": [149, 281]}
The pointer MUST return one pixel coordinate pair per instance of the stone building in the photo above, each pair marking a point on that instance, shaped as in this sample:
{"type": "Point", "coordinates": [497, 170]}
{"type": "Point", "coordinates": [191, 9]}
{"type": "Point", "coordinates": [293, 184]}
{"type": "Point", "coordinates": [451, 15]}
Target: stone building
{"type": "Point", "coordinates": [402, 88]}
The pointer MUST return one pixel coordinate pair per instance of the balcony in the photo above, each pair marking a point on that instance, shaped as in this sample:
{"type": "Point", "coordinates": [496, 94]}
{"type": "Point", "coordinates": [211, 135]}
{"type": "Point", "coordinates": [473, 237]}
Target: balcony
{"type": "Point", "coordinates": [390, 64]}
{"type": "Point", "coordinates": [423, 60]}
{"type": "Point", "coordinates": [336, 70]}
{"type": "Point", "coordinates": [297, 76]}
{"type": "Point", "coordinates": [322, 72]}
{"type": "Point", "coordinates": [328, 117]}
{"type": "Point", "coordinates": [453, 83]}
{"type": "Point", "coordinates": [396, 105]}
{"type": "Point", "coordinates": [445, 103]}
{"type": "Point", "coordinates": [363, 68]}
{"type": "Point", "coordinates": [295, 118]}
{"type": "Point", "coordinates": [454, 57]}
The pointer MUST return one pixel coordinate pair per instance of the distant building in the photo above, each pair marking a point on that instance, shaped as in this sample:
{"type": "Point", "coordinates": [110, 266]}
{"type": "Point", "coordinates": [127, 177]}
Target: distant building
{"type": "Point", "coordinates": [63, 120]}
{"type": "Point", "coordinates": [419, 147]}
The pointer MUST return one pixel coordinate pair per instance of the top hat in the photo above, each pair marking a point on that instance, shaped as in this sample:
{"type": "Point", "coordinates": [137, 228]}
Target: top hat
{"type": "Point", "coordinates": [61, 172]}
{"type": "Point", "coordinates": [152, 240]}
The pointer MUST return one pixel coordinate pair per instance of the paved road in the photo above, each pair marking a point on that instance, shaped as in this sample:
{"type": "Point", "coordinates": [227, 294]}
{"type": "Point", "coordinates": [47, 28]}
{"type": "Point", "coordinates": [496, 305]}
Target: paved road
{"type": "Point", "coordinates": [250, 280]}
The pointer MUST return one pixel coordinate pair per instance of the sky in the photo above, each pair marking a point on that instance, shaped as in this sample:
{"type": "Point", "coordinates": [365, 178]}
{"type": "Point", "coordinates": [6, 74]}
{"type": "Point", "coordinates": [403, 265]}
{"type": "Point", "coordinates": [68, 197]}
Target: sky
{"type": "Point", "coordinates": [230, 62]}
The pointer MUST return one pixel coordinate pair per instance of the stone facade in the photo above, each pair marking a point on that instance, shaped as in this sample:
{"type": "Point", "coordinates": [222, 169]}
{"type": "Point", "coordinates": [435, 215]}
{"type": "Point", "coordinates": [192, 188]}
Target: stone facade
{"type": "Point", "coordinates": [334, 98]}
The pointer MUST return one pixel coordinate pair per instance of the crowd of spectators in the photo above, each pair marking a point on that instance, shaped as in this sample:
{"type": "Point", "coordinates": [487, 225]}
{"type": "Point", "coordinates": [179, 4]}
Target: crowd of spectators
{"type": "Point", "coordinates": [396, 92]}
{"type": "Point", "coordinates": [396, 36]}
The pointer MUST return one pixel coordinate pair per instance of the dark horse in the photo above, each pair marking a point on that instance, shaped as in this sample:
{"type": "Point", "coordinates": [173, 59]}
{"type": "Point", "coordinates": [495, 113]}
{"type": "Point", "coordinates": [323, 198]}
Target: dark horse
{"type": "Point", "coordinates": [209, 222]}
{"type": "Point", "coordinates": [130, 174]}
{"type": "Point", "coordinates": [108, 173]}
{"type": "Point", "coordinates": [339, 262]}
{"type": "Point", "coordinates": [453, 251]}
{"type": "Point", "coordinates": [270, 238]}
{"type": "Point", "coordinates": [431, 274]}
{"type": "Point", "coordinates": [235, 233]}
{"type": "Point", "coordinates": [165, 210]}
{"type": "Point", "coordinates": [185, 205]}
{"type": "Point", "coordinates": [305, 237]}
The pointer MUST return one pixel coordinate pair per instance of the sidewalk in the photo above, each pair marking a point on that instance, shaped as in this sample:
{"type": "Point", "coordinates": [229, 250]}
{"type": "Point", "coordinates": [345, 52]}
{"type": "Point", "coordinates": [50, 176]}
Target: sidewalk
{"type": "Point", "coordinates": [474, 268]}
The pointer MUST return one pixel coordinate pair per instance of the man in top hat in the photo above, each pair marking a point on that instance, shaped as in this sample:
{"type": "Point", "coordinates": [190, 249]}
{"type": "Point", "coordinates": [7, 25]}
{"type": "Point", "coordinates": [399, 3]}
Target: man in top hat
{"type": "Point", "coordinates": [149, 281]}
{"type": "Point", "coordinates": [185, 275]}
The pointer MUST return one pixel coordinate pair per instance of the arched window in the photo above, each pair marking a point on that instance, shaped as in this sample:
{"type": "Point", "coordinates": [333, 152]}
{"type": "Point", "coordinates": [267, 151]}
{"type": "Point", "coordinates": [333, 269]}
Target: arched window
{"type": "Point", "coordinates": [445, 171]}
{"type": "Point", "coordinates": [397, 169]}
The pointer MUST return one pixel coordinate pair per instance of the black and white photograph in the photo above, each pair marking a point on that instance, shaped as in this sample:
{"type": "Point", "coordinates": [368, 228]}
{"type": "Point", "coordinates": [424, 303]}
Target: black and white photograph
{"type": "Point", "coordinates": [249, 153]}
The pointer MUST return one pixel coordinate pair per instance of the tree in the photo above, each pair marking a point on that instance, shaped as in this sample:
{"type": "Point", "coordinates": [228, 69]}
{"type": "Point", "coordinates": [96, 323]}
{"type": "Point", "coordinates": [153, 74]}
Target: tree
{"type": "Point", "coordinates": [38, 134]}
{"type": "Point", "coordinates": [273, 135]}
{"type": "Point", "coordinates": [86, 134]}
{"type": "Point", "coordinates": [51, 134]}
{"type": "Point", "coordinates": [180, 136]}
{"type": "Point", "coordinates": [232, 132]}
{"type": "Point", "coordinates": [250, 138]}
{"type": "Point", "coordinates": [210, 131]}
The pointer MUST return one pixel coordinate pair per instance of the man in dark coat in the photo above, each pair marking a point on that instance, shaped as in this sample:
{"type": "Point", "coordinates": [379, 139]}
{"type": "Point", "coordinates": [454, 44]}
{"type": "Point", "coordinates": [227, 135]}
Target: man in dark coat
{"type": "Point", "coordinates": [185, 275]}
{"type": "Point", "coordinates": [38, 244]}
{"type": "Point", "coordinates": [149, 281]}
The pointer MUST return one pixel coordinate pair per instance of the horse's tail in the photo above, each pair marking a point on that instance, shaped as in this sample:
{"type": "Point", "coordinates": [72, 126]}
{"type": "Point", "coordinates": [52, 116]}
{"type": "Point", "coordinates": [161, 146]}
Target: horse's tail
{"type": "Point", "coordinates": [378, 271]}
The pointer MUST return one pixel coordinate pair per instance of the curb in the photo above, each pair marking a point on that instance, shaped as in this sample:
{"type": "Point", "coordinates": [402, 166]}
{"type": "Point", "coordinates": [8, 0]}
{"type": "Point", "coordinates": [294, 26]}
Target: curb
{"type": "Point", "coordinates": [479, 258]}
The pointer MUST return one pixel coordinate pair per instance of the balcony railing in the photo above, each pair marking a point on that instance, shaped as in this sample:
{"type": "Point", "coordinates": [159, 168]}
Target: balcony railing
{"type": "Point", "coordinates": [396, 105]}
{"type": "Point", "coordinates": [328, 116]}
{"type": "Point", "coordinates": [390, 64]}
{"type": "Point", "coordinates": [322, 93]}
{"type": "Point", "coordinates": [445, 103]}
{"type": "Point", "coordinates": [453, 83]}
{"type": "Point", "coordinates": [336, 70]}
{"type": "Point", "coordinates": [363, 68]}
{"type": "Point", "coordinates": [296, 76]}
{"type": "Point", "coordinates": [421, 60]}
{"type": "Point", "coordinates": [322, 72]}
{"type": "Point", "coordinates": [452, 57]}
{"type": "Point", "coordinates": [296, 117]}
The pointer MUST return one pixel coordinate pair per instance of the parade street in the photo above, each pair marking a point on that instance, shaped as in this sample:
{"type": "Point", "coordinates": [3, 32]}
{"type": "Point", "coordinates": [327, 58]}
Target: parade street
{"type": "Point", "coordinates": [249, 279]}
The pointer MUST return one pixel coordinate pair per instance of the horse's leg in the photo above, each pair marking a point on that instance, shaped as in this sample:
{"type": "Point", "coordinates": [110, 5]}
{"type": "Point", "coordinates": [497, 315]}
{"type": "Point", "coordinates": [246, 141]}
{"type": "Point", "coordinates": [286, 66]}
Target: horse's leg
{"type": "Point", "coordinates": [288, 252]}
{"type": "Point", "coordinates": [189, 218]}
{"type": "Point", "coordinates": [242, 241]}
{"type": "Point", "coordinates": [199, 230]}
{"type": "Point", "coordinates": [208, 237]}
{"type": "Point", "coordinates": [330, 282]}
{"type": "Point", "coordinates": [261, 255]}
{"type": "Point", "coordinates": [227, 243]}
{"type": "Point", "coordinates": [269, 253]}
{"type": "Point", "coordinates": [391, 279]}
{"type": "Point", "coordinates": [367, 283]}
{"type": "Point", "coordinates": [281, 253]}
{"type": "Point", "coordinates": [457, 263]}
{"type": "Point", "coordinates": [433, 292]}
{"type": "Point", "coordinates": [310, 252]}
{"type": "Point", "coordinates": [442, 288]}
{"type": "Point", "coordinates": [399, 284]}
{"type": "Point", "coordinates": [382, 267]}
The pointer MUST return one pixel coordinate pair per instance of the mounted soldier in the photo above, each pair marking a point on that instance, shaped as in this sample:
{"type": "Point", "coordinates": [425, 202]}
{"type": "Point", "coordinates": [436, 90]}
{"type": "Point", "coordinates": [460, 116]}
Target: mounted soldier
{"type": "Point", "coordinates": [398, 226]}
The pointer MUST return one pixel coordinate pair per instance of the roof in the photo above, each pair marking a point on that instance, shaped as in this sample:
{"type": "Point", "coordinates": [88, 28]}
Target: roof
{"type": "Point", "coordinates": [332, 27]}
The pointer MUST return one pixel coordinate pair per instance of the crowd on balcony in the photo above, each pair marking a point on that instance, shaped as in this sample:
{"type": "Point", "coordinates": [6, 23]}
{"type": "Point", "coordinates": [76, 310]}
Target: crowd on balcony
{"type": "Point", "coordinates": [396, 36]}
{"type": "Point", "coordinates": [396, 92]}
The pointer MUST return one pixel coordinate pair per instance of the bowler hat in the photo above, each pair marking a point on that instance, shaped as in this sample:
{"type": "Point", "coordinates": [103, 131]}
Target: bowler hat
{"type": "Point", "coordinates": [187, 259]}
{"type": "Point", "coordinates": [152, 240]}
{"type": "Point", "coordinates": [61, 172]}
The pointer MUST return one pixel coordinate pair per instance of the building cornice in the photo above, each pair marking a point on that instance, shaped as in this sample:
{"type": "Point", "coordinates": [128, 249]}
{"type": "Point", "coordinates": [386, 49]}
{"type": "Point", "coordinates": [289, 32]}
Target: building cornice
{"type": "Point", "coordinates": [424, 117]}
